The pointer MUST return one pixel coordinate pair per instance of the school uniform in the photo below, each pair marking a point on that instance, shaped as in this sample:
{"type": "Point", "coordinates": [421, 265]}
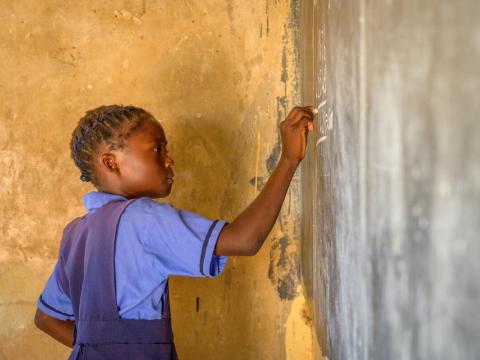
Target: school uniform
{"type": "Point", "coordinates": [113, 269]}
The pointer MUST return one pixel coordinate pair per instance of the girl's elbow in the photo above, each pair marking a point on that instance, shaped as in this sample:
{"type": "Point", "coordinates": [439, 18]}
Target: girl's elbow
{"type": "Point", "coordinates": [254, 247]}
{"type": "Point", "coordinates": [40, 319]}
{"type": "Point", "coordinates": [248, 251]}
{"type": "Point", "coordinates": [231, 243]}
{"type": "Point", "coordinates": [247, 248]}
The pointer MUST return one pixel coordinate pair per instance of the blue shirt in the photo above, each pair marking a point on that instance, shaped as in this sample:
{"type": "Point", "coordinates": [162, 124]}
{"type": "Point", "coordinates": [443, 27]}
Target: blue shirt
{"type": "Point", "coordinates": [154, 240]}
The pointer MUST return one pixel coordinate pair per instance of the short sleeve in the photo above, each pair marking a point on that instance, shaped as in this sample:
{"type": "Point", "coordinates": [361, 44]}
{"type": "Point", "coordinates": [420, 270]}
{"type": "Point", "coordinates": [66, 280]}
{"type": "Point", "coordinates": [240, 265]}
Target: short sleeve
{"type": "Point", "coordinates": [183, 242]}
{"type": "Point", "coordinates": [53, 301]}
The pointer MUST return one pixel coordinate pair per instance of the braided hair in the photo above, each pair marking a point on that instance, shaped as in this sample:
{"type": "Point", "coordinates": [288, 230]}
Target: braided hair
{"type": "Point", "coordinates": [111, 124]}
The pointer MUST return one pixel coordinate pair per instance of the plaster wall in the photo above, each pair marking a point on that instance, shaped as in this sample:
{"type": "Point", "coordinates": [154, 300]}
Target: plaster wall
{"type": "Point", "coordinates": [220, 76]}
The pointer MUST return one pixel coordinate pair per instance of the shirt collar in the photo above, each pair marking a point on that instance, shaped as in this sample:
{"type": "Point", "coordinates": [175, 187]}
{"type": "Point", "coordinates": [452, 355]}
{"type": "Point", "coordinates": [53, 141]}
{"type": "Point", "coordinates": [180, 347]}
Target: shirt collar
{"type": "Point", "coordinates": [95, 199]}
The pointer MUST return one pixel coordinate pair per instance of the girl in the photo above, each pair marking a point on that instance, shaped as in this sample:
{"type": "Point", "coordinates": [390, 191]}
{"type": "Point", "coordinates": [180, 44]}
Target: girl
{"type": "Point", "coordinates": [107, 296]}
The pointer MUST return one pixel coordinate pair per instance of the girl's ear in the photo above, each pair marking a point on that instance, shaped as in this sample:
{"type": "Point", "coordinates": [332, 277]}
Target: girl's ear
{"type": "Point", "coordinates": [109, 162]}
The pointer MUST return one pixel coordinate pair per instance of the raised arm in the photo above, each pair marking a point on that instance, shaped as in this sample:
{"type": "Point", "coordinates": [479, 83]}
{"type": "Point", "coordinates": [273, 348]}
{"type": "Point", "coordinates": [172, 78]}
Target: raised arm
{"type": "Point", "coordinates": [246, 234]}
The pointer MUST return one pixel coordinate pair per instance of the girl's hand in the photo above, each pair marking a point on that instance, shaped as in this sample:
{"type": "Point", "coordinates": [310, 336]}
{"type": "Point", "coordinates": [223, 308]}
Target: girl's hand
{"type": "Point", "coordinates": [294, 132]}
{"type": "Point", "coordinates": [246, 234]}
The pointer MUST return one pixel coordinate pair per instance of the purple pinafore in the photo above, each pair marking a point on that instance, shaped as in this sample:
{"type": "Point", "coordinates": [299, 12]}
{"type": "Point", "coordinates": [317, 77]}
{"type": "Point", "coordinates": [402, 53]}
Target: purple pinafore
{"type": "Point", "coordinates": [87, 275]}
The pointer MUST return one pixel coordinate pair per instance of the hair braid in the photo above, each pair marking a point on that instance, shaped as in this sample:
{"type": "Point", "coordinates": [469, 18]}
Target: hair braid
{"type": "Point", "coordinates": [112, 125]}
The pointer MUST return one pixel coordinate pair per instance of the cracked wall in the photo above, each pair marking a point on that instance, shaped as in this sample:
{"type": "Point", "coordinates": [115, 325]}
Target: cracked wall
{"type": "Point", "coordinates": [220, 76]}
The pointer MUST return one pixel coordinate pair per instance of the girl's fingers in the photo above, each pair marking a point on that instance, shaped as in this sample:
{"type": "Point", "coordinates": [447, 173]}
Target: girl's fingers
{"type": "Point", "coordinates": [293, 112]}
{"type": "Point", "coordinates": [304, 124]}
{"type": "Point", "coordinates": [311, 126]}
{"type": "Point", "coordinates": [310, 109]}
{"type": "Point", "coordinates": [297, 109]}
{"type": "Point", "coordinates": [299, 115]}
{"type": "Point", "coordinates": [307, 123]}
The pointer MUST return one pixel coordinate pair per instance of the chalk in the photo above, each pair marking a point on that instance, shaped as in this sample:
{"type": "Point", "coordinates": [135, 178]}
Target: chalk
{"type": "Point", "coordinates": [322, 104]}
{"type": "Point", "coordinates": [330, 121]}
{"type": "Point", "coordinates": [322, 139]}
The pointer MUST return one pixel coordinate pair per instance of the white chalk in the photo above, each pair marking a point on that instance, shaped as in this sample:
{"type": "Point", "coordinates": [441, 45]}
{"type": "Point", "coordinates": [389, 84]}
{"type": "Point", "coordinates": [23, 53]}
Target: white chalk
{"type": "Point", "coordinates": [322, 139]}
{"type": "Point", "coordinates": [322, 104]}
{"type": "Point", "coordinates": [330, 121]}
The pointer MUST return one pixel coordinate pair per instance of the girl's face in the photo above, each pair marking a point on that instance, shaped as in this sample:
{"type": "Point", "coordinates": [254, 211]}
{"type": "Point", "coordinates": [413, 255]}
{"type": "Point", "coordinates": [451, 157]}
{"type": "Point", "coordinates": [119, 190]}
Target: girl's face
{"type": "Point", "coordinates": [142, 166]}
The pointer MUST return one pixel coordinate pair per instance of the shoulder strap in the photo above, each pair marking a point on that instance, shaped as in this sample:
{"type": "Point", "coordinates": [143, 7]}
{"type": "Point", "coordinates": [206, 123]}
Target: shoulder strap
{"type": "Point", "coordinates": [166, 305]}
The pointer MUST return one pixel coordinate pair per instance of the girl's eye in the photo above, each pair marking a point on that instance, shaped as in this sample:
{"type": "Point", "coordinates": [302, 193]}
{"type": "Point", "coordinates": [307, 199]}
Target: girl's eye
{"type": "Point", "coordinates": [159, 149]}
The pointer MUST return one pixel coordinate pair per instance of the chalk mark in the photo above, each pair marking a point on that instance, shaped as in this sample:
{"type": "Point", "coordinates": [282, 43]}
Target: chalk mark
{"type": "Point", "coordinates": [319, 141]}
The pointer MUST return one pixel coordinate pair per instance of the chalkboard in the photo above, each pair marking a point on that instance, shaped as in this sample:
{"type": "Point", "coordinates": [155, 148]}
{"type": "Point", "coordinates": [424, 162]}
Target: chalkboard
{"type": "Point", "coordinates": [391, 180]}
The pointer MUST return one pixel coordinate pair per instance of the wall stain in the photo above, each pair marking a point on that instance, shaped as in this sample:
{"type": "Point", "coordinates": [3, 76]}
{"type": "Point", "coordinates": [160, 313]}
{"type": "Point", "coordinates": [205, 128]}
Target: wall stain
{"type": "Point", "coordinates": [230, 15]}
{"type": "Point", "coordinates": [268, 21]}
{"type": "Point", "coordinates": [18, 303]}
{"type": "Point", "coordinates": [65, 55]}
{"type": "Point", "coordinates": [284, 269]}
{"type": "Point", "coordinates": [166, 77]}
{"type": "Point", "coordinates": [259, 180]}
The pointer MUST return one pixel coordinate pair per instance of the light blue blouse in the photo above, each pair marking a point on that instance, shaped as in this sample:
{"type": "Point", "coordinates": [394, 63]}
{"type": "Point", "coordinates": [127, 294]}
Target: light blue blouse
{"type": "Point", "coordinates": [154, 240]}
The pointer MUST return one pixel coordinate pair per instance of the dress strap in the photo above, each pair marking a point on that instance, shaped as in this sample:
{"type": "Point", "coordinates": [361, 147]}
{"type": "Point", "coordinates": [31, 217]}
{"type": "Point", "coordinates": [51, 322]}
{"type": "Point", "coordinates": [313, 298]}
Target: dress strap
{"type": "Point", "coordinates": [166, 305]}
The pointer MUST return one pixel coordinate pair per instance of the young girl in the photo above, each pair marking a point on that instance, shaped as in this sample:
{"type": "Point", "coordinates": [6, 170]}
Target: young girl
{"type": "Point", "coordinates": [107, 296]}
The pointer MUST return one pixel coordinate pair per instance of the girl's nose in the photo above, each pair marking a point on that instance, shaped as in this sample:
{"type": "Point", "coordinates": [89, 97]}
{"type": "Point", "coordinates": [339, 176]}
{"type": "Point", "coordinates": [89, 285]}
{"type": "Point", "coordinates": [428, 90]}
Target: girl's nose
{"type": "Point", "coordinates": [169, 162]}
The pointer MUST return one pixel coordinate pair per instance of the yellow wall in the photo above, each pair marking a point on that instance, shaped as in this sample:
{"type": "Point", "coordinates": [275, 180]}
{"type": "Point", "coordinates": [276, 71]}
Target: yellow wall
{"type": "Point", "coordinates": [219, 76]}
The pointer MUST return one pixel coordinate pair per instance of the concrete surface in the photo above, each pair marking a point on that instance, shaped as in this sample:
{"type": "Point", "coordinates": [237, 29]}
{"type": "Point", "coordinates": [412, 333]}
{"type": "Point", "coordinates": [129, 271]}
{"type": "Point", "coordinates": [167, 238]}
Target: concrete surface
{"type": "Point", "coordinates": [220, 76]}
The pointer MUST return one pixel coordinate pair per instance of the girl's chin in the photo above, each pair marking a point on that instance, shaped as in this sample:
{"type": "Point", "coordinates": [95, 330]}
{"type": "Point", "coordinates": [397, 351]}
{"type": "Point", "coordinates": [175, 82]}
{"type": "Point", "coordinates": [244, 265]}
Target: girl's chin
{"type": "Point", "coordinates": [164, 193]}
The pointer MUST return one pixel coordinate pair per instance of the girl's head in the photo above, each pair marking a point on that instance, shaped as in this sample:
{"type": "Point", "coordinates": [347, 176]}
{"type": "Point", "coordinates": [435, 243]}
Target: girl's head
{"type": "Point", "coordinates": [123, 150]}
